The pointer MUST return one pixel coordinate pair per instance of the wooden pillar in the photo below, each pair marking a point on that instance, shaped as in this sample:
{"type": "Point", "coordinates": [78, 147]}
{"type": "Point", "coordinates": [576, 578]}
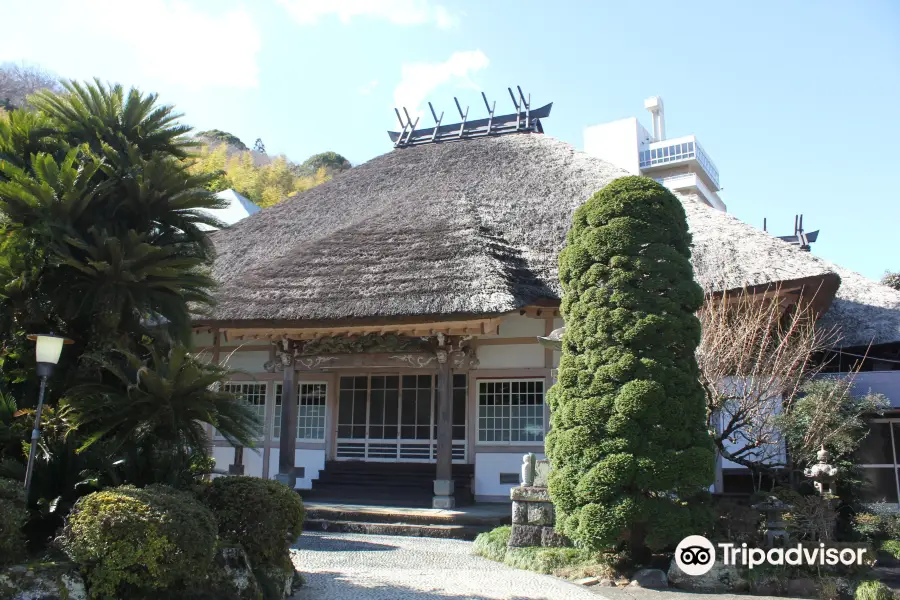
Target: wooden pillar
{"type": "Point", "coordinates": [443, 484]}
{"type": "Point", "coordinates": [288, 440]}
{"type": "Point", "coordinates": [237, 467]}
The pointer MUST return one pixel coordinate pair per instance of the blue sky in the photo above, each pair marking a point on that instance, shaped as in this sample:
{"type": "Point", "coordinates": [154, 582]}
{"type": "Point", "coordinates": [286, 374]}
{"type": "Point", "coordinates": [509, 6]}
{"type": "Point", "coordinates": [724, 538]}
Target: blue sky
{"type": "Point", "coordinates": [798, 103]}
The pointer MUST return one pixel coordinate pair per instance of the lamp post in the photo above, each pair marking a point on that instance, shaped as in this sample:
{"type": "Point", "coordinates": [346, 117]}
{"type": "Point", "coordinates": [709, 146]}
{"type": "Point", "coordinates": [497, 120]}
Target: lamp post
{"type": "Point", "coordinates": [48, 347]}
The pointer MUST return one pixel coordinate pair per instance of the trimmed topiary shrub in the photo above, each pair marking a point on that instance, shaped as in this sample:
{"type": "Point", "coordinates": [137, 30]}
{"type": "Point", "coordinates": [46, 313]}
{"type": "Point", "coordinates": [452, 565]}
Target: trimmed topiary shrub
{"type": "Point", "coordinates": [628, 443]}
{"type": "Point", "coordinates": [129, 541]}
{"type": "Point", "coordinates": [13, 515]}
{"type": "Point", "coordinates": [263, 516]}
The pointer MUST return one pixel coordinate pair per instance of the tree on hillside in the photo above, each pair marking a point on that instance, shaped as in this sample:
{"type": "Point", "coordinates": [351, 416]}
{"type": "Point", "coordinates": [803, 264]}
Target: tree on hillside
{"type": "Point", "coordinates": [258, 146]}
{"type": "Point", "coordinates": [332, 162]}
{"type": "Point", "coordinates": [17, 82]}
{"type": "Point", "coordinates": [891, 280]}
{"type": "Point", "coordinates": [264, 185]}
{"type": "Point", "coordinates": [628, 443]}
{"type": "Point", "coordinates": [212, 136]}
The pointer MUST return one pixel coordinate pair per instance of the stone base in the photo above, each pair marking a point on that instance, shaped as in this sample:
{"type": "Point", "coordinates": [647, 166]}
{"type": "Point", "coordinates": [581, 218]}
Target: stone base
{"type": "Point", "coordinates": [444, 502]}
{"type": "Point", "coordinates": [444, 487]}
{"type": "Point", "coordinates": [523, 536]}
{"type": "Point", "coordinates": [443, 494]}
{"type": "Point", "coordinates": [235, 469]}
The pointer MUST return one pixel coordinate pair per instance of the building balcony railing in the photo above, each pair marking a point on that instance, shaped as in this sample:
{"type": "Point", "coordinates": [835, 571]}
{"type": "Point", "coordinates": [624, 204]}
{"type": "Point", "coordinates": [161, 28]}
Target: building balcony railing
{"type": "Point", "coordinates": [670, 152]}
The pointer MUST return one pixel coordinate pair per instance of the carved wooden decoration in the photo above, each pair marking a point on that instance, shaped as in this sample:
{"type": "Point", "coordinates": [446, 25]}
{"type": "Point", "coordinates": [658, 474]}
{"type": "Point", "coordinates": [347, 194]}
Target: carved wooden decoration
{"type": "Point", "coordinates": [371, 351]}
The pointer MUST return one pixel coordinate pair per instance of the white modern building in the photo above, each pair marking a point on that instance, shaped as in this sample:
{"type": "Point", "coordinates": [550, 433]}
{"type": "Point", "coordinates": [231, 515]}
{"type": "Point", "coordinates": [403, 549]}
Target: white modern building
{"type": "Point", "coordinates": [681, 164]}
{"type": "Point", "coordinates": [239, 207]}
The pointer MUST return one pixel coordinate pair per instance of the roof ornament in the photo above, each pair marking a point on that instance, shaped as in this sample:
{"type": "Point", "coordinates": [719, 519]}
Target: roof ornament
{"type": "Point", "coordinates": [800, 237]}
{"type": "Point", "coordinates": [524, 120]}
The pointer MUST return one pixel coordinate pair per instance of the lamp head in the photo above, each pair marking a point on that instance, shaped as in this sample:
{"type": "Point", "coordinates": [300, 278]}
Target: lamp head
{"type": "Point", "coordinates": [48, 347]}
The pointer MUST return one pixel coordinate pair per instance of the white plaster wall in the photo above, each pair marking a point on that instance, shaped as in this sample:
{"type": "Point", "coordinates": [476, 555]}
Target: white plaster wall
{"type": "Point", "coordinates": [224, 456]}
{"type": "Point", "coordinates": [520, 326]}
{"type": "Point", "coordinates": [251, 362]}
{"type": "Point", "coordinates": [616, 143]}
{"type": "Point", "coordinates": [510, 356]}
{"type": "Point", "coordinates": [311, 460]}
{"type": "Point", "coordinates": [253, 462]}
{"type": "Point", "coordinates": [558, 322]}
{"type": "Point", "coordinates": [489, 465]}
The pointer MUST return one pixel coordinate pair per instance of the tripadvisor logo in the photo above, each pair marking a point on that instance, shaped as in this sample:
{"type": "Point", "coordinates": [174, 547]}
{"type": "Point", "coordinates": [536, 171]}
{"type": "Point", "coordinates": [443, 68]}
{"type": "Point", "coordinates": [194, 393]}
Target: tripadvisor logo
{"type": "Point", "coordinates": [696, 555]}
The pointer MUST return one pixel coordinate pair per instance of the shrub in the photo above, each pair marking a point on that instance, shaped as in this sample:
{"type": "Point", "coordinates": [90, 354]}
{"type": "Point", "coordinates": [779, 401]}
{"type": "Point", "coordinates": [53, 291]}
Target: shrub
{"type": "Point", "coordinates": [263, 516]}
{"type": "Point", "coordinates": [892, 547]}
{"type": "Point", "coordinates": [13, 516]}
{"type": "Point", "coordinates": [735, 521]}
{"type": "Point", "coordinates": [629, 442]}
{"type": "Point", "coordinates": [563, 562]}
{"type": "Point", "coordinates": [881, 523]}
{"type": "Point", "coordinates": [812, 518]}
{"type": "Point", "coordinates": [493, 544]}
{"type": "Point", "coordinates": [873, 590]}
{"type": "Point", "coordinates": [129, 540]}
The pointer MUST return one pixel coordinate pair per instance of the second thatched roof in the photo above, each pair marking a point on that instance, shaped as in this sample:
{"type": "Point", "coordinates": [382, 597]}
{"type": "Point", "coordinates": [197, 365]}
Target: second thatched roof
{"type": "Point", "coordinates": [461, 228]}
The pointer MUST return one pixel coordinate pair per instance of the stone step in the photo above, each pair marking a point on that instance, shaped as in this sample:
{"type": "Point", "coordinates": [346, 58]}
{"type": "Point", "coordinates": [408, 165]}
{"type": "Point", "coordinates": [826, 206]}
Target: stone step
{"type": "Point", "coordinates": [456, 532]}
{"type": "Point", "coordinates": [408, 516]}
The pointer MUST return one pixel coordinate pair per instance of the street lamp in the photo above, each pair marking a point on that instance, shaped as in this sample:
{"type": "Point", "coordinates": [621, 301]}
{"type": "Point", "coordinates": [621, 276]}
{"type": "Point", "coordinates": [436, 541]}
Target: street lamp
{"type": "Point", "coordinates": [48, 347]}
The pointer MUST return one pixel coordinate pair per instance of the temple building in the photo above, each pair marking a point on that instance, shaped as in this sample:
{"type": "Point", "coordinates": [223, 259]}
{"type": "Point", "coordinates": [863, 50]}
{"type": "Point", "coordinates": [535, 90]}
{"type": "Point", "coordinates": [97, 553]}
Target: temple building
{"type": "Point", "coordinates": [386, 323]}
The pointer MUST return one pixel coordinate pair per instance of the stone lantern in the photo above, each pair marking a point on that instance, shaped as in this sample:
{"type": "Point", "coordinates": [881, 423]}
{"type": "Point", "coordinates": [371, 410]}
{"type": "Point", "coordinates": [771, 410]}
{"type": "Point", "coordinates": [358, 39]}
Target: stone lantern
{"type": "Point", "coordinates": [775, 525]}
{"type": "Point", "coordinates": [822, 473]}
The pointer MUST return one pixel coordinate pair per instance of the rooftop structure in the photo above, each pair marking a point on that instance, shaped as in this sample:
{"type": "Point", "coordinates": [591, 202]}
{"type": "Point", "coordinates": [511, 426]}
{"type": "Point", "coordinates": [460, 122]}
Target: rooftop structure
{"type": "Point", "coordinates": [524, 120]}
{"type": "Point", "coordinates": [681, 164]}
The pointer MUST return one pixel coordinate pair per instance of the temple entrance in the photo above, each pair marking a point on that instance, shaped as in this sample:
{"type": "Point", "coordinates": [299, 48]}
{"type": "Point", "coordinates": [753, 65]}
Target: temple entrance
{"type": "Point", "coordinates": [392, 418]}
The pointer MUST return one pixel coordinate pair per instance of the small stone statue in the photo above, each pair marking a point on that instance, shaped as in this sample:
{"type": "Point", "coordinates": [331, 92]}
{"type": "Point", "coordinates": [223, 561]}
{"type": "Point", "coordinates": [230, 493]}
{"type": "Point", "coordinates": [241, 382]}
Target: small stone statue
{"type": "Point", "coordinates": [822, 473]}
{"type": "Point", "coordinates": [528, 469]}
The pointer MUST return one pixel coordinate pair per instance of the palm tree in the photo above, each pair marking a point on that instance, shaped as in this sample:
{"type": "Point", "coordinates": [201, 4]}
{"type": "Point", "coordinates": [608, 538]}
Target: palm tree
{"type": "Point", "coordinates": [163, 400]}
{"type": "Point", "coordinates": [117, 214]}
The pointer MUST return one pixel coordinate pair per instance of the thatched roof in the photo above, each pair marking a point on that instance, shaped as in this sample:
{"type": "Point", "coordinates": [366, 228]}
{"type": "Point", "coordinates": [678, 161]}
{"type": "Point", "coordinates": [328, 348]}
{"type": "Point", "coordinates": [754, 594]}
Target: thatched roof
{"type": "Point", "coordinates": [865, 311]}
{"type": "Point", "coordinates": [470, 227]}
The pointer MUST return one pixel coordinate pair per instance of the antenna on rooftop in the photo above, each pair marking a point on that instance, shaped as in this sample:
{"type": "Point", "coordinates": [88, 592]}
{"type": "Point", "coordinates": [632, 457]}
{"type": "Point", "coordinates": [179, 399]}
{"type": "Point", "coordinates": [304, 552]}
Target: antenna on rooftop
{"type": "Point", "coordinates": [524, 120]}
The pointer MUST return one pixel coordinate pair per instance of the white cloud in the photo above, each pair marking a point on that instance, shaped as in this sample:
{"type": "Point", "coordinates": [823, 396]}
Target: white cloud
{"type": "Point", "coordinates": [398, 12]}
{"type": "Point", "coordinates": [368, 88]}
{"type": "Point", "coordinates": [419, 80]}
{"type": "Point", "coordinates": [201, 49]}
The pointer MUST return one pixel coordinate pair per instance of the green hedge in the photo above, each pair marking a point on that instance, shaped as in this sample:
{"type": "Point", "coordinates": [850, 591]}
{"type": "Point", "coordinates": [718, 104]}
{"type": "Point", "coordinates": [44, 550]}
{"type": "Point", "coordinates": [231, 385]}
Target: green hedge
{"type": "Point", "coordinates": [494, 545]}
{"type": "Point", "coordinates": [129, 541]}
{"type": "Point", "coordinates": [13, 516]}
{"type": "Point", "coordinates": [262, 515]}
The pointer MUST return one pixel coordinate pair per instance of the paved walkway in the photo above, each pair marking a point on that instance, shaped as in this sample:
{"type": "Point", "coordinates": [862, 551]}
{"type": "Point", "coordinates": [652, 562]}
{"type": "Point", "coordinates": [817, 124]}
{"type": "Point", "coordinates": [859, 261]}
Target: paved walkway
{"type": "Point", "coordinates": [346, 566]}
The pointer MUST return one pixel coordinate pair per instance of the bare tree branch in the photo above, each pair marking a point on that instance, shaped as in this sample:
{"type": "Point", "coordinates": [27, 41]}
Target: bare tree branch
{"type": "Point", "coordinates": [19, 81]}
{"type": "Point", "coordinates": [756, 352]}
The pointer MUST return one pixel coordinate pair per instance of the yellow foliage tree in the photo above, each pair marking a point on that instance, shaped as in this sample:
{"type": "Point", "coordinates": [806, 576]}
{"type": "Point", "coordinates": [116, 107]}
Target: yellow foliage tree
{"type": "Point", "coordinates": [264, 185]}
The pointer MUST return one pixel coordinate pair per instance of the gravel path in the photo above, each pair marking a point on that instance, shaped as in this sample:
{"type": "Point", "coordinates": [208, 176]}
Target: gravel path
{"type": "Point", "coordinates": [344, 566]}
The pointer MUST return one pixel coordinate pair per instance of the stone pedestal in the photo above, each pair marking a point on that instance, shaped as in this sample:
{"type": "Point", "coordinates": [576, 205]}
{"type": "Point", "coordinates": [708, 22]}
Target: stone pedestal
{"type": "Point", "coordinates": [532, 512]}
{"type": "Point", "coordinates": [235, 469]}
{"type": "Point", "coordinates": [443, 494]}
